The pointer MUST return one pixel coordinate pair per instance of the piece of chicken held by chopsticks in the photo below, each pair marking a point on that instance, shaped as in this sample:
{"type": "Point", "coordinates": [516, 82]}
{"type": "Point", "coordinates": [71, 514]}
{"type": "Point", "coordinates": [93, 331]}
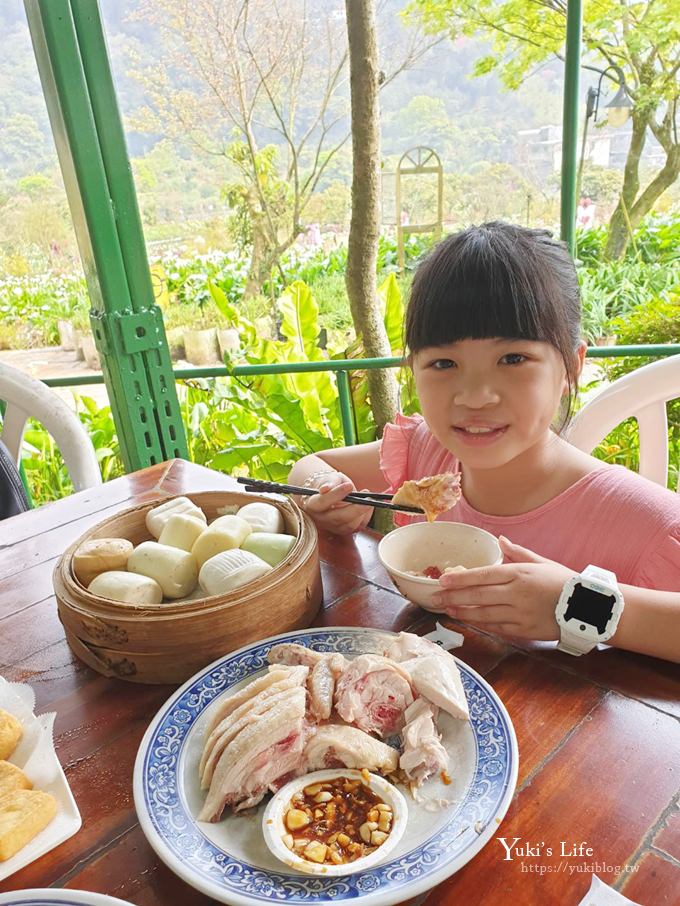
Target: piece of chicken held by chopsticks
{"type": "Point", "coordinates": [434, 494]}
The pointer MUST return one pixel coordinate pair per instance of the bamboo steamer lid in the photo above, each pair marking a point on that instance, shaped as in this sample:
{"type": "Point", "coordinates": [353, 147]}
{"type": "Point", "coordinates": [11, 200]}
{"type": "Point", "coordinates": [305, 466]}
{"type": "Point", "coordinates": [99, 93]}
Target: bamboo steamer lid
{"type": "Point", "coordinates": [169, 642]}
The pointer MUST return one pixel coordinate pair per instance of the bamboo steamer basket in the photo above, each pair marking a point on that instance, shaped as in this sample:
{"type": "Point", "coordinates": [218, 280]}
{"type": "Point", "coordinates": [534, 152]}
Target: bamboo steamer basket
{"type": "Point", "coordinates": [169, 642]}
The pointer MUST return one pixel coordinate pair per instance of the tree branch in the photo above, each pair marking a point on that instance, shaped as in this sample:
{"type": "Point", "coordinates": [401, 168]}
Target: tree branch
{"type": "Point", "coordinates": [664, 178]}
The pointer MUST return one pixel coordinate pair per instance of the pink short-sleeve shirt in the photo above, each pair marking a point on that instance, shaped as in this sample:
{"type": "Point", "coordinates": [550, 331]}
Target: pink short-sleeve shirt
{"type": "Point", "coordinates": [611, 517]}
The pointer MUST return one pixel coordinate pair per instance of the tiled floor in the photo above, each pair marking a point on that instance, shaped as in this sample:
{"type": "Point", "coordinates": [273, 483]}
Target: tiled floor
{"type": "Point", "coordinates": [52, 361]}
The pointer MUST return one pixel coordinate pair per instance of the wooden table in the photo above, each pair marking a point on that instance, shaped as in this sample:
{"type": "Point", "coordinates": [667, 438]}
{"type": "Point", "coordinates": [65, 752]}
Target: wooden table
{"type": "Point", "coordinates": [599, 736]}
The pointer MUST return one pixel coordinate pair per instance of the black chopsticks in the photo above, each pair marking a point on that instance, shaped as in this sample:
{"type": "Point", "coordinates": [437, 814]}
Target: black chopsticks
{"type": "Point", "coordinates": [381, 501]}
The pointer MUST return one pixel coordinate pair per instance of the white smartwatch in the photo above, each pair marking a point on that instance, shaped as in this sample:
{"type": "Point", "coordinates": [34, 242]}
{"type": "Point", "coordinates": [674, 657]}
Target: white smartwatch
{"type": "Point", "coordinates": [588, 610]}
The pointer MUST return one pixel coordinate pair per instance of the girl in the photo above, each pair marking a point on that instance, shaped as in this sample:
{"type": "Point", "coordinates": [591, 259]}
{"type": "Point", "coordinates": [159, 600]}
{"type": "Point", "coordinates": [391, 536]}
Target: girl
{"type": "Point", "coordinates": [493, 339]}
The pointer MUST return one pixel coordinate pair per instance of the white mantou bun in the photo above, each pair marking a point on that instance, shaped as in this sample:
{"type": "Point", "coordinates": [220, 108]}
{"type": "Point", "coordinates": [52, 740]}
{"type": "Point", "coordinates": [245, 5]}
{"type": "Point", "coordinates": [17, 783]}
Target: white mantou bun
{"type": "Point", "coordinates": [230, 570]}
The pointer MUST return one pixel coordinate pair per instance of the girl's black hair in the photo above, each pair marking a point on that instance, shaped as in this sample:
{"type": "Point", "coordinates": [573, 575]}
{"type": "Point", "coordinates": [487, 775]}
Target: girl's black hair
{"type": "Point", "coordinates": [498, 280]}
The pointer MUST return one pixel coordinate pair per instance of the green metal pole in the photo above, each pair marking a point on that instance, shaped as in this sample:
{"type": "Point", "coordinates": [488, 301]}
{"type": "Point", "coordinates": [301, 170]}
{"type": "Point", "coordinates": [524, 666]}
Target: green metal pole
{"type": "Point", "coordinates": [128, 333]}
{"type": "Point", "coordinates": [324, 365]}
{"type": "Point", "coordinates": [346, 408]}
{"type": "Point", "coordinates": [572, 65]}
{"type": "Point", "coordinates": [145, 334]}
{"type": "Point", "coordinates": [93, 52]}
{"type": "Point", "coordinates": [59, 64]}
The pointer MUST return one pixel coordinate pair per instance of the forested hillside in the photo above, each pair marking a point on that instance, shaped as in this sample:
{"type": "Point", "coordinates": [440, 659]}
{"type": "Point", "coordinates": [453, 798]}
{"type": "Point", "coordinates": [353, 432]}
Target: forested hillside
{"type": "Point", "coordinates": [435, 103]}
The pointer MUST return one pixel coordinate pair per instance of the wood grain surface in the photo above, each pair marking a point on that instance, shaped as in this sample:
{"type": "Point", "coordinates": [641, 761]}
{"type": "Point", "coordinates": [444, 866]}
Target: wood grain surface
{"type": "Point", "coordinates": [599, 735]}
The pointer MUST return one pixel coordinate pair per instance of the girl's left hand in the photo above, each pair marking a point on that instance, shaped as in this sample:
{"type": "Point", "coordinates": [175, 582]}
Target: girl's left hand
{"type": "Point", "coordinates": [517, 598]}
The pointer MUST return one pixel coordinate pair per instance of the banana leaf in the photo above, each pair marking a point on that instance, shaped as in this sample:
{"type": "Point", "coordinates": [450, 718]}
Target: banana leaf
{"type": "Point", "coordinates": [393, 312]}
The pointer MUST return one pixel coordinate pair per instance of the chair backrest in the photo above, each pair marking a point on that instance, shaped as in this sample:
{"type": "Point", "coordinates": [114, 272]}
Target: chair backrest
{"type": "Point", "coordinates": [642, 394]}
{"type": "Point", "coordinates": [27, 398]}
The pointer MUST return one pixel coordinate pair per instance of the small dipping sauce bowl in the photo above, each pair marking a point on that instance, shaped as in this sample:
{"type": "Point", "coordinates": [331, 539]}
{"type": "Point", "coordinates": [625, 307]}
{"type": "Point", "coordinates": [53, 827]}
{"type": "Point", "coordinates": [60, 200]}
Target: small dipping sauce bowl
{"type": "Point", "coordinates": [317, 853]}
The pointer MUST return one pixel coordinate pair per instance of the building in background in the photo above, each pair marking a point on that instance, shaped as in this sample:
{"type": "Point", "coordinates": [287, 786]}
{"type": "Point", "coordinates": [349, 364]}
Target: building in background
{"type": "Point", "coordinates": [540, 150]}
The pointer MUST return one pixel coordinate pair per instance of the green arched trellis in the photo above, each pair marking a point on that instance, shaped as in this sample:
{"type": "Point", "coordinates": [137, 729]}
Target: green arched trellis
{"type": "Point", "coordinates": [416, 162]}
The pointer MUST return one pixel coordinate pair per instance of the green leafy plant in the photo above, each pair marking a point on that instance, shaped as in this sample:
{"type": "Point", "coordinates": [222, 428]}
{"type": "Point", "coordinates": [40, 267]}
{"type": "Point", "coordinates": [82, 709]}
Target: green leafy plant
{"type": "Point", "coordinates": [610, 290]}
{"type": "Point", "coordinates": [45, 470]}
{"type": "Point", "coordinates": [596, 314]}
{"type": "Point", "coordinates": [657, 322]}
{"type": "Point", "coordinates": [656, 241]}
{"type": "Point", "coordinates": [98, 422]}
{"type": "Point", "coordinates": [31, 305]}
{"type": "Point", "coordinates": [263, 424]}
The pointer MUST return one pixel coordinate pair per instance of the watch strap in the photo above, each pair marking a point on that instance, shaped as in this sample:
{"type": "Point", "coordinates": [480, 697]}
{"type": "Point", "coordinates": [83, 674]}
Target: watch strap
{"type": "Point", "coordinates": [569, 642]}
{"type": "Point", "coordinates": [597, 574]}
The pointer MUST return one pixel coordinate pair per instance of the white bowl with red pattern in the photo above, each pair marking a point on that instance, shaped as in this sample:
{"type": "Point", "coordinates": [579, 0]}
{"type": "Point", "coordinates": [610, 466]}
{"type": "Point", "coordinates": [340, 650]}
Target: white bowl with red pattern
{"type": "Point", "coordinates": [275, 830]}
{"type": "Point", "coordinates": [408, 552]}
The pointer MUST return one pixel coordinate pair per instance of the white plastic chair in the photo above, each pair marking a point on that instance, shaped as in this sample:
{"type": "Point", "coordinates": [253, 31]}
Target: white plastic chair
{"type": "Point", "coordinates": [642, 394]}
{"type": "Point", "coordinates": [27, 398]}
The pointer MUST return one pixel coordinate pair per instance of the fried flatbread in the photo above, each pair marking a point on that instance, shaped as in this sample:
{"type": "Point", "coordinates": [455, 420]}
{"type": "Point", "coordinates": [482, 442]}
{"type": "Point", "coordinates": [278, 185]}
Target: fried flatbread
{"type": "Point", "coordinates": [11, 732]}
{"type": "Point", "coordinates": [12, 778]}
{"type": "Point", "coordinates": [23, 814]}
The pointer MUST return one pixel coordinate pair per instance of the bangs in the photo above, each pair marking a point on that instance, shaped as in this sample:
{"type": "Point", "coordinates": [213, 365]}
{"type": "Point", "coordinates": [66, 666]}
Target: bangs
{"type": "Point", "coordinates": [479, 284]}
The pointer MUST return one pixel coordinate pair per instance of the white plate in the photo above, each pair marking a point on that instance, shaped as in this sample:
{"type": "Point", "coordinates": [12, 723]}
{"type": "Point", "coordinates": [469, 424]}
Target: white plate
{"type": "Point", "coordinates": [229, 860]}
{"type": "Point", "coordinates": [50, 897]}
{"type": "Point", "coordinates": [35, 755]}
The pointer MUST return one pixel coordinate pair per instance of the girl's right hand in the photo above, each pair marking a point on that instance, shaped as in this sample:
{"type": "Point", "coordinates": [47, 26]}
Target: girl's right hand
{"type": "Point", "coordinates": [328, 510]}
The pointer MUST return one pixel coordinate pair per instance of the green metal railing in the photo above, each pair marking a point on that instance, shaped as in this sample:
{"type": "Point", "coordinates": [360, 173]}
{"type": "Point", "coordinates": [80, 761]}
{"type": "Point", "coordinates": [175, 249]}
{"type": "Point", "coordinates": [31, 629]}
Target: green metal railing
{"type": "Point", "coordinates": [341, 368]}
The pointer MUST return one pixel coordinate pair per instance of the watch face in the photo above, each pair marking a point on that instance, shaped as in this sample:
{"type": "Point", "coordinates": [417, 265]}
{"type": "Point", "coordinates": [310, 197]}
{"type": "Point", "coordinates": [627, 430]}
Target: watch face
{"type": "Point", "coordinates": [591, 607]}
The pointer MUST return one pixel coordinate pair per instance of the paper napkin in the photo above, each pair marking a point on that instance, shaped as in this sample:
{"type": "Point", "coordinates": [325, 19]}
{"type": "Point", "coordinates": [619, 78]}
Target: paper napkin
{"type": "Point", "coordinates": [36, 757]}
{"type": "Point", "coordinates": [600, 894]}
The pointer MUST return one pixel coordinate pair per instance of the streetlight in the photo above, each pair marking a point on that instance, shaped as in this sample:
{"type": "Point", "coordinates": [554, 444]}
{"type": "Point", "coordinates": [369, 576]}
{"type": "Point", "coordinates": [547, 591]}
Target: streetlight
{"type": "Point", "coordinates": [618, 109]}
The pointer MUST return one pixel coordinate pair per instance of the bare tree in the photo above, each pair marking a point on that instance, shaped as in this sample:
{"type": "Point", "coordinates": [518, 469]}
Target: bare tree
{"type": "Point", "coordinates": [264, 84]}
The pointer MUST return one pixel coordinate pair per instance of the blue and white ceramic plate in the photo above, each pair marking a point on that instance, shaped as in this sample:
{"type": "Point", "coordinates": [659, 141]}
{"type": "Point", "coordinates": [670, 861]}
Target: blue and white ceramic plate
{"type": "Point", "coordinates": [53, 897]}
{"type": "Point", "coordinates": [229, 861]}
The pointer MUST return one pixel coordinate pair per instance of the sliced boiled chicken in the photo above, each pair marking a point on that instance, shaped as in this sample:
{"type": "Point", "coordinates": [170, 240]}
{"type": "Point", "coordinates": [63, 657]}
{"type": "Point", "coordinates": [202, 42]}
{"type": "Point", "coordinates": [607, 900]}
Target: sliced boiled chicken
{"type": "Point", "coordinates": [276, 727]}
{"type": "Point", "coordinates": [373, 693]}
{"type": "Point", "coordinates": [408, 645]}
{"type": "Point", "coordinates": [423, 753]}
{"type": "Point", "coordinates": [292, 654]}
{"type": "Point", "coordinates": [245, 714]}
{"type": "Point", "coordinates": [225, 704]}
{"type": "Point", "coordinates": [336, 745]}
{"type": "Point", "coordinates": [321, 684]}
{"type": "Point", "coordinates": [440, 683]}
{"type": "Point", "coordinates": [433, 672]}
{"type": "Point", "coordinates": [266, 750]}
